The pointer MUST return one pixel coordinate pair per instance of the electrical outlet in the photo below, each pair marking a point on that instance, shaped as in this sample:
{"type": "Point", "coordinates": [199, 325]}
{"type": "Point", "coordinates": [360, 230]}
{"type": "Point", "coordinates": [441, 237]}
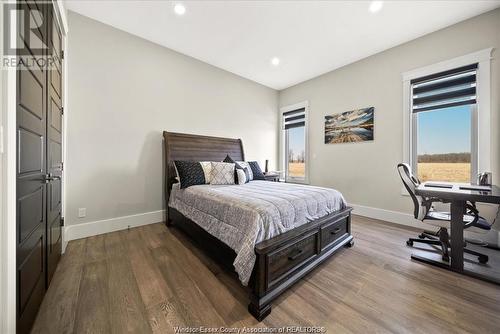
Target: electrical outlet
{"type": "Point", "coordinates": [82, 212]}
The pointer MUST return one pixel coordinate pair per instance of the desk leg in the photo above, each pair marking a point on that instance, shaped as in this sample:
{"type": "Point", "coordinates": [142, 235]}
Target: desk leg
{"type": "Point", "coordinates": [457, 235]}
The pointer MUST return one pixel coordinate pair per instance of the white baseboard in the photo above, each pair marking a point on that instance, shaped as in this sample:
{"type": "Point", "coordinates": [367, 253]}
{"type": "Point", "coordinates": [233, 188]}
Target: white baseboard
{"type": "Point", "coordinates": [406, 220]}
{"type": "Point", "coordinates": [386, 215]}
{"type": "Point", "coordinates": [79, 231]}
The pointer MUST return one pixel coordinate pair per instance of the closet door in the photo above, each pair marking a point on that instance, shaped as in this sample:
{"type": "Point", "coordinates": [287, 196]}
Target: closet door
{"type": "Point", "coordinates": [54, 151]}
{"type": "Point", "coordinates": [31, 186]}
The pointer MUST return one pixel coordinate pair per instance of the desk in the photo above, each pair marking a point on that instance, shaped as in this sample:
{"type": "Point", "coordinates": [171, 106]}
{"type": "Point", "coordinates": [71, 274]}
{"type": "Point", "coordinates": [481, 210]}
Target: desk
{"type": "Point", "coordinates": [457, 196]}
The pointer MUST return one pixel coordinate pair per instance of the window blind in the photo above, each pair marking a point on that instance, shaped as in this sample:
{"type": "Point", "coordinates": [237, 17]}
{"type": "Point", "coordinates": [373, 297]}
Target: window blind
{"type": "Point", "coordinates": [451, 88]}
{"type": "Point", "coordinates": [294, 118]}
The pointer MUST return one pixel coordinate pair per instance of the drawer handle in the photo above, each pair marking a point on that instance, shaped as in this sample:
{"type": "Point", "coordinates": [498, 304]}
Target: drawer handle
{"type": "Point", "coordinates": [295, 256]}
{"type": "Point", "coordinates": [337, 230]}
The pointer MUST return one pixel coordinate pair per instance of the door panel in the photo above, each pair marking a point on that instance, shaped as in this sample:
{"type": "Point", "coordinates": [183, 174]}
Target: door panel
{"type": "Point", "coordinates": [31, 282]}
{"type": "Point", "coordinates": [31, 152]}
{"type": "Point", "coordinates": [56, 80]}
{"type": "Point", "coordinates": [55, 116]}
{"type": "Point", "coordinates": [32, 93]}
{"type": "Point", "coordinates": [31, 272]}
{"type": "Point", "coordinates": [55, 162]}
{"type": "Point", "coordinates": [30, 208]}
{"type": "Point", "coordinates": [55, 234]}
{"type": "Point", "coordinates": [55, 195]}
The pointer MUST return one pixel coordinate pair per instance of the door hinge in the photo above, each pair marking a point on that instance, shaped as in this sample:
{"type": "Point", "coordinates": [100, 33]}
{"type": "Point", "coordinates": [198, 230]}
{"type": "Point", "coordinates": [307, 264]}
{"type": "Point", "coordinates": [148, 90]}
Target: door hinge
{"type": "Point", "coordinates": [62, 166]}
{"type": "Point", "coordinates": [62, 54]}
{"type": "Point", "coordinates": [62, 110]}
{"type": "Point", "coordinates": [62, 221]}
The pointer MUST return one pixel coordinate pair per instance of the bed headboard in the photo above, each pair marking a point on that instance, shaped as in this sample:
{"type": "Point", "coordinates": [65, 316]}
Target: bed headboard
{"type": "Point", "coordinates": [183, 146]}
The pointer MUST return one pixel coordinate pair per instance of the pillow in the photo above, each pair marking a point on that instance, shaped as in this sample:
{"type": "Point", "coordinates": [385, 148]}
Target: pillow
{"type": "Point", "coordinates": [207, 169]}
{"type": "Point", "coordinates": [247, 174]}
{"type": "Point", "coordinates": [190, 173]}
{"type": "Point", "coordinates": [242, 177]}
{"type": "Point", "coordinates": [256, 171]}
{"type": "Point", "coordinates": [237, 174]}
{"type": "Point", "coordinates": [222, 173]}
{"type": "Point", "coordinates": [247, 166]}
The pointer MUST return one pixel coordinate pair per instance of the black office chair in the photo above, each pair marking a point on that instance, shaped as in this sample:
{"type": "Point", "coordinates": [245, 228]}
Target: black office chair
{"type": "Point", "coordinates": [424, 211]}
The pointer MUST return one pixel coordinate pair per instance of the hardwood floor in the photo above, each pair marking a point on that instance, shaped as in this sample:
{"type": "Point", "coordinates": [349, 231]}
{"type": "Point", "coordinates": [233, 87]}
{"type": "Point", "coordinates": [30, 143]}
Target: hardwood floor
{"type": "Point", "coordinates": [152, 278]}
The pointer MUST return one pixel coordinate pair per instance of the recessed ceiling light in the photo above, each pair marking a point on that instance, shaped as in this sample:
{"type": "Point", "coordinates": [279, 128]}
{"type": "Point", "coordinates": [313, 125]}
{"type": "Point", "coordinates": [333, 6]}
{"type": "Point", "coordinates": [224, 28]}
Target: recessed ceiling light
{"type": "Point", "coordinates": [179, 9]}
{"type": "Point", "coordinates": [275, 61]}
{"type": "Point", "coordinates": [376, 6]}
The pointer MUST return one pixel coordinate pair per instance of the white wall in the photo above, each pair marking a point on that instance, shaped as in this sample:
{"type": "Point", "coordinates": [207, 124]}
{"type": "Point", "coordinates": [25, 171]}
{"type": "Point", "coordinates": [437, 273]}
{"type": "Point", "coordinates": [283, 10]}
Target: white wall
{"type": "Point", "coordinates": [366, 172]}
{"type": "Point", "coordinates": [123, 92]}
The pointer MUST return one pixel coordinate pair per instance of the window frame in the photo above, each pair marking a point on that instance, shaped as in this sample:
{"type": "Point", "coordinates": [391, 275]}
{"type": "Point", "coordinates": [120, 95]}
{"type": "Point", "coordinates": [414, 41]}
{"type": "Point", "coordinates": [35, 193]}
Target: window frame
{"type": "Point", "coordinates": [481, 114]}
{"type": "Point", "coordinates": [284, 142]}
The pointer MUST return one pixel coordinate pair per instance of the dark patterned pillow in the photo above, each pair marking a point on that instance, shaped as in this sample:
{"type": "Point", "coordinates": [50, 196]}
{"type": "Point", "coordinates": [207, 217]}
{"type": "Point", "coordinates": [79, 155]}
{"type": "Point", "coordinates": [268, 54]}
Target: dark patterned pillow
{"type": "Point", "coordinates": [237, 166]}
{"type": "Point", "coordinates": [257, 172]}
{"type": "Point", "coordinates": [190, 173]}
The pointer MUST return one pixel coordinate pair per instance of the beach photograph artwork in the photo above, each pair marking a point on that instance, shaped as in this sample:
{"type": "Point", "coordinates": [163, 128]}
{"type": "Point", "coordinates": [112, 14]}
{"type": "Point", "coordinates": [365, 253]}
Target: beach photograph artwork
{"type": "Point", "coordinates": [350, 126]}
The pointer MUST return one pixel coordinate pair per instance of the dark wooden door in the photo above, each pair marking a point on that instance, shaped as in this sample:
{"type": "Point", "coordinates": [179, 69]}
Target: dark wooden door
{"type": "Point", "coordinates": [31, 187]}
{"type": "Point", "coordinates": [39, 167]}
{"type": "Point", "coordinates": [54, 151]}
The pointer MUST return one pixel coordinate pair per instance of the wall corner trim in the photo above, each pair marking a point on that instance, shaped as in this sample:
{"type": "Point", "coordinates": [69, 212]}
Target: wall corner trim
{"type": "Point", "coordinates": [84, 230]}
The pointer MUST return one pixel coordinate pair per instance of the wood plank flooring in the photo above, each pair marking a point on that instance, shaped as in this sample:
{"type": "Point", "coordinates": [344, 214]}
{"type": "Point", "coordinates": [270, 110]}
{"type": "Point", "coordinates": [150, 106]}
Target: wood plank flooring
{"type": "Point", "coordinates": [152, 278]}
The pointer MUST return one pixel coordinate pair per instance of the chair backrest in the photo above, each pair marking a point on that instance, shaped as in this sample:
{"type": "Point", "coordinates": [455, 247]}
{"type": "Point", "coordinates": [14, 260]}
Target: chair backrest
{"type": "Point", "coordinates": [411, 183]}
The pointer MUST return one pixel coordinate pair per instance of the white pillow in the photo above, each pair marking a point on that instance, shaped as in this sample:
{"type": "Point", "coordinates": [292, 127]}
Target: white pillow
{"type": "Point", "coordinates": [242, 177]}
{"type": "Point", "coordinates": [222, 173]}
{"type": "Point", "coordinates": [207, 170]}
{"type": "Point", "coordinates": [244, 164]}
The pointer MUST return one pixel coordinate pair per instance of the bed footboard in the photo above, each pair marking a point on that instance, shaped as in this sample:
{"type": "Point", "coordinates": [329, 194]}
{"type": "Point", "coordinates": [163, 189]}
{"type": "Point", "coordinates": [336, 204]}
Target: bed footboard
{"type": "Point", "coordinates": [285, 259]}
{"type": "Point", "coordinates": [282, 260]}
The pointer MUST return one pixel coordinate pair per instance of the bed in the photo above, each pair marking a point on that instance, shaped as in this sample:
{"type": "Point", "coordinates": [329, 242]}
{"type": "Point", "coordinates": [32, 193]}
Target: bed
{"type": "Point", "coordinates": [270, 233]}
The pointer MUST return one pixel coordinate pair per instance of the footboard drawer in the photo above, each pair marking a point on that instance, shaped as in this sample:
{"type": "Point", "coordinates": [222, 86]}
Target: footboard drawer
{"type": "Point", "coordinates": [289, 257]}
{"type": "Point", "coordinates": [333, 232]}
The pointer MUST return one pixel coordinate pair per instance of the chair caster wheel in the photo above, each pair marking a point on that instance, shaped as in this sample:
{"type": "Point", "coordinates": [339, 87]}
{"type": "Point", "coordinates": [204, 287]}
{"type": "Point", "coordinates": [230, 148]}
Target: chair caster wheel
{"type": "Point", "coordinates": [483, 259]}
{"type": "Point", "coordinates": [446, 258]}
{"type": "Point", "coordinates": [409, 243]}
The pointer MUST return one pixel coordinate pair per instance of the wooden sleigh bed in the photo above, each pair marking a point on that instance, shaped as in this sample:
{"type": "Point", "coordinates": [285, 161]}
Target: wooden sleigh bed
{"type": "Point", "coordinates": [282, 260]}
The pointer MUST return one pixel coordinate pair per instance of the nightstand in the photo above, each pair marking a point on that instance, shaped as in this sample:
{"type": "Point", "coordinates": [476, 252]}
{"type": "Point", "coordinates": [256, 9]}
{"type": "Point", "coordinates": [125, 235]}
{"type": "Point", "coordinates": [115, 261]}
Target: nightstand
{"type": "Point", "coordinates": [272, 177]}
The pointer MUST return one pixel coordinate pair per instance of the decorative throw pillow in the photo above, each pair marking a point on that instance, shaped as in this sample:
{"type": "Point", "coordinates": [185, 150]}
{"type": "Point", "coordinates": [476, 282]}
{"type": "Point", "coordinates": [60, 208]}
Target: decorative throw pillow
{"type": "Point", "coordinates": [247, 166]}
{"type": "Point", "coordinates": [207, 169]}
{"type": "Point", "coordinates": [222, 173]}
{"type": "Point", "coordinates": [247, 174]}
{"type": "Point", "coordinates": [190, 173]}
{"type": "Point", "coordinates": [237, 171]}
{"type": "Point", "coordinates": [256, 171]}
{"type": "Point", "coordinates": [241, 176]}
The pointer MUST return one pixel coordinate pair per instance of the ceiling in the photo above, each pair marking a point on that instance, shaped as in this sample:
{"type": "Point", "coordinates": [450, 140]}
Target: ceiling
{"type": "Point", "coordinates": [309, 37]}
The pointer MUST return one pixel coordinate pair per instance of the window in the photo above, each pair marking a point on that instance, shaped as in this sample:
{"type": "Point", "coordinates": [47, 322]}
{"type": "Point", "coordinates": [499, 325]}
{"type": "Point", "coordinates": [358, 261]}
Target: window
{"type": "Point", "coordinates": [447, 118]}
{"type": "Point", "coordinates": [294, 143]}
{"type": "Point", "coordinates": [444, 116]}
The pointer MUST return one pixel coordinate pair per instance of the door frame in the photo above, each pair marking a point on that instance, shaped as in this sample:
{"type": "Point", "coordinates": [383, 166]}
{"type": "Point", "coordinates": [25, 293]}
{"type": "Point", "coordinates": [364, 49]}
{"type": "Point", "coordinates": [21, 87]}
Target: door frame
{"type": "Point", "coordinates": [8, 84]}
{"type": "Point", "coordinates": [8, 205]}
